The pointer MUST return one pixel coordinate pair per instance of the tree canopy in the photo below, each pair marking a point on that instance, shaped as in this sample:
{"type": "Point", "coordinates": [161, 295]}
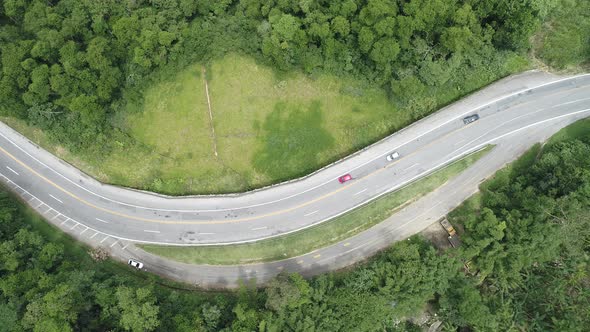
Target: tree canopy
{"type": "Point", "coordinates": [68, 65]}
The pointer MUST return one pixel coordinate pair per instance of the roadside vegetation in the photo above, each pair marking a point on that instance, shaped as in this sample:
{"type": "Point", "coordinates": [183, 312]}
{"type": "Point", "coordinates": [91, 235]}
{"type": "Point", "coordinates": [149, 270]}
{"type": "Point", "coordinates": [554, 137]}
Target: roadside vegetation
{"type": "Point", "coordinates": [563, 41]}
{"type": "Point", "coordinates": [307, 240]}
{"type": "Point", "coordinates": [523, 265]}
{"type": "Point", "coordinates": [89, 75]}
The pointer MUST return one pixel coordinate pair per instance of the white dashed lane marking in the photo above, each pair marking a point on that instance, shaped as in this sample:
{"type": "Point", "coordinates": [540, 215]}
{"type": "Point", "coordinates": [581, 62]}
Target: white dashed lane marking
{"type": "Point", "coordinates": [57, 199]}
{"type": "Point", "coordinates": [259, 228]}
{"type": "Point", "coordinates": [409, 168]}
{"type": "Point", "coordinates": [311, 213]}
{"type": "Point", "coordinates": [104, 221]}
{"type": "Point", "coordinates": [13, 171]}
{"type": "Point", "coordinates": [149, 231]}
{"type": "Point", "coordinates": [360, 192]}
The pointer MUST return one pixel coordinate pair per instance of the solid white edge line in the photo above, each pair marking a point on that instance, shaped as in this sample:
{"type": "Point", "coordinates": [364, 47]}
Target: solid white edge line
{"type": "Point", "coordinates": [302, 192]}
{"type": "Point", "coordinates": [516, 118]}
{"type": "Point", "coordinates": [471, 150]}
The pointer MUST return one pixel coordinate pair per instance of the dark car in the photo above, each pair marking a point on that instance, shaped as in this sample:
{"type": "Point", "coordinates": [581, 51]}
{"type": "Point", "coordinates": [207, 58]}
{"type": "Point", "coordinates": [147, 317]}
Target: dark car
{"type": "Point", "coordinates": [344, 178]}
{"type": "Point", "coordinates": [470, 119]}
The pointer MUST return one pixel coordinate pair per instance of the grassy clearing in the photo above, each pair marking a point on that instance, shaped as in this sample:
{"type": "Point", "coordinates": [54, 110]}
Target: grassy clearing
{"type": "Point", "coordinates": [319, 236]}
{"type": "Point", "coordinates": [269, 127]}
{"type": "Point", "coordinates": [272, 128]}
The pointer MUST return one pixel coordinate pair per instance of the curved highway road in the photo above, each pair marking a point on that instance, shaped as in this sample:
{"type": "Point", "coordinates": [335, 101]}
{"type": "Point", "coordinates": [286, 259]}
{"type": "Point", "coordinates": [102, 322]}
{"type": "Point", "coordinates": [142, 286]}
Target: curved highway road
{"type": "Point", "coordinates": [514, 113]}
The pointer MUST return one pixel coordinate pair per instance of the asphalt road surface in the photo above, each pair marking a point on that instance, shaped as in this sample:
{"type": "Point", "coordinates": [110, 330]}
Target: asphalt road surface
{"type": "Point", "coordinates": [514, 114]}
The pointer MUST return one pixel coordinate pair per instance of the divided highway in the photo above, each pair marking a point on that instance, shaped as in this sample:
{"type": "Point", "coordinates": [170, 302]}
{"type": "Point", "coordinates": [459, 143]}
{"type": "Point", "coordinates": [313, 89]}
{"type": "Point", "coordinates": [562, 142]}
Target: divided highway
{"type": "Point", "coordinates": [514, 114]}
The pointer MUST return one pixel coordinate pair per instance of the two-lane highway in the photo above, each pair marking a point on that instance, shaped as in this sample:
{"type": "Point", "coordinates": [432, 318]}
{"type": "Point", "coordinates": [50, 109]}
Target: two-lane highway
{"type": "Point", "coordinates": [136, 216]}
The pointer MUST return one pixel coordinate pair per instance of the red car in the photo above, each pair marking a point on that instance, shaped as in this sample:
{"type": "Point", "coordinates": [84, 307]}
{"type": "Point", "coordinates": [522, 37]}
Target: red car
{"type": "Point", "coordinates": [344, 178]}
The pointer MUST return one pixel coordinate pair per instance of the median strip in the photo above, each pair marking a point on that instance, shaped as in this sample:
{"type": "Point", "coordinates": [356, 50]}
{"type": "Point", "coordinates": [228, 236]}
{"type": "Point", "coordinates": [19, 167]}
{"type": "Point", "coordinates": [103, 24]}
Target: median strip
{"type": "Point", "coordinates": [322, 235]}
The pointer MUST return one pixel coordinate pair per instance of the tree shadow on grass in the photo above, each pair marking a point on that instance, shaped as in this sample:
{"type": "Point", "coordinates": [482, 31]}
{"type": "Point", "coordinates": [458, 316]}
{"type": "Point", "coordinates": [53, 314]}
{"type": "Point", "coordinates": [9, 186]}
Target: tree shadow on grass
{"type": "Point", "coordinates": [293, 139]}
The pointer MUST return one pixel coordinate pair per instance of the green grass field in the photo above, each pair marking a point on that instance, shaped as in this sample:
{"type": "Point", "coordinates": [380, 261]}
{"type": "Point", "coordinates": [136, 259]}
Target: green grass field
{"type": "Point", "coordinates": [269, 127]}
{"type": "Point", "coordinates": [307, 240]}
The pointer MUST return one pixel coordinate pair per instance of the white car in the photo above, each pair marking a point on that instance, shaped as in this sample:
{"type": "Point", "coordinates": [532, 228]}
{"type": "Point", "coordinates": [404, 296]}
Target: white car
{"type": "Point", "coordinates": [135, 264]}
{"type": "Point", "coordinates": [392, 156]}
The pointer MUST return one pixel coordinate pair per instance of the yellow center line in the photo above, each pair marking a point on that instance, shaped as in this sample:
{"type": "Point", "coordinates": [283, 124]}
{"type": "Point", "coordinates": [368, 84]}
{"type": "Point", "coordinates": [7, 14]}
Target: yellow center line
{"type": "Point", "coordinates": [202, 222]}
{"type": "Point", "coordinates": [196, 222]}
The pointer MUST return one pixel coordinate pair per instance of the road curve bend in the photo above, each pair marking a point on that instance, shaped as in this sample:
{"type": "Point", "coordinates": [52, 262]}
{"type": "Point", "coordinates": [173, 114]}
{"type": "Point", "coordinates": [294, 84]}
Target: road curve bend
{"type": "Point", "coordinates": [514, 114]}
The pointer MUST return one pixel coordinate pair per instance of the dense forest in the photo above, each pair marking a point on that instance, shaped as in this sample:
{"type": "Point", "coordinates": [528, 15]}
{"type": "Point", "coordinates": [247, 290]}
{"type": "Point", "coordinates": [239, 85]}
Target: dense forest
{"type": "Point", "coordinates": [524, 265]}
{"type": "Point", "coordinates": [67, 66]}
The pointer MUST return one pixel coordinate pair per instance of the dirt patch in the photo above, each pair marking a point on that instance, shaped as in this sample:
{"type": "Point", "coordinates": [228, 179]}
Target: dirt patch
{"type": "Point", "coordinates": [437, 235]}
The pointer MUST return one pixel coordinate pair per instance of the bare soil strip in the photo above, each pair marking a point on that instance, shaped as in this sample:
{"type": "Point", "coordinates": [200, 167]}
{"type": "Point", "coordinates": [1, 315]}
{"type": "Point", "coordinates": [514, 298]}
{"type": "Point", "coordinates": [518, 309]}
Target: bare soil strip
{"type": "Point", "coordinates": [210, 113]}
